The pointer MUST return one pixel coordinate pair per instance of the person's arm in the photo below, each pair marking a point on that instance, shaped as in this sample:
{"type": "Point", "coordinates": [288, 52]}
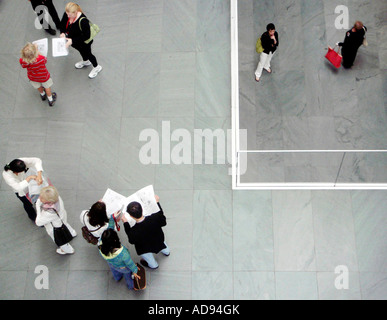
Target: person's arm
{"type": "Point", "coordinates": [160, 216]}
{"type": "Point", "coordinates": [37, 164]}
{"type": "Point", "coordinates": [18, 186]}
{"type": "Point", "coordinates": [63, 23]}
{"type": "Point", "coordinates": [128, 261]}
{"type": "Point", "coordinates": [277, 38]}
{"type": "Point", "coordinates": [129, 231]}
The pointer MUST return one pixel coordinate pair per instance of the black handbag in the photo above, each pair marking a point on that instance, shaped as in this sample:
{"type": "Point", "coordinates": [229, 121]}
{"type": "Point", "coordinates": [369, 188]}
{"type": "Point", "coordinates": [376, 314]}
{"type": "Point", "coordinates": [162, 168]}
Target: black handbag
{"type": "Point", "coordinates": [62, 234]}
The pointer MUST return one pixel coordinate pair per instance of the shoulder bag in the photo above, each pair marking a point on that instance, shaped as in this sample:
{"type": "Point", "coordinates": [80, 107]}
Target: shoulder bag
{"type": "Point", "coordinates": [87, 234]}
{"type": "Point", "coordinates": [94, 29]}
{"type": "Point", "coordinates": [62, 234]}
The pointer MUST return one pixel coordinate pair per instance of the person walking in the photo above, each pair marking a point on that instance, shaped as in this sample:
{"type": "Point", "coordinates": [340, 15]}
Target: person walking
{"type": "Point", "coordinates": [37, 72]}
{"type": "Point", "coordinates": [38, 6]}
{"type": "Point", "coordinates": [117, 256]}
{"type": "Point", "coordinates": [269, 40]}
{"type": "Point", "coordinates": [147, 234]}
{"type": "Point", "coordinates": [353, 40]}
{"type": "Point", "coordinates": [75, 28]}
{"type": "Point", "coordinates": [15, 175]}
{"type": "Point", "coordinates": [52, 214]}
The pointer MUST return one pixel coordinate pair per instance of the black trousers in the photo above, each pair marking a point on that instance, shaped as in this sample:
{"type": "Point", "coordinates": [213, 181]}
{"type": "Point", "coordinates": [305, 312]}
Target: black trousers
{"type": "Point", "coordinates": [51, 10]}
{"type": "Point", "coordinates": [28, 207]}
{"type": "Point", "coordinates": [85, 51]}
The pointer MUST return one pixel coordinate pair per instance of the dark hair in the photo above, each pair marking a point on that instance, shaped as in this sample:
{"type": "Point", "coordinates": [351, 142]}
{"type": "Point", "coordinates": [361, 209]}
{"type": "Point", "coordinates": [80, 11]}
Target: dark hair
{"type": "Point", "coordinates": [110, 241]}
{"type": "Point", "coordinates": [97, 214]}
{"type": "Point", "coordinates": [134, 209]}
{"type": "Point", "coordinates": [270, 26]}
{"type": "Point", "coordinates": [16, 165]}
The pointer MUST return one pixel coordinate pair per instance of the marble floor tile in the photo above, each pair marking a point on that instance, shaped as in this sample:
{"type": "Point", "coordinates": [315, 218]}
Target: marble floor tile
{"type": "Point", "coordinates": [87, 285]}
{"type": "Point", "coordinates": [163, 286]}
{"type": "Point", "coordinates": [57, 285]}
{"type": "Point", "coordinates": [253, 285]}
{"type": "Point", "coordinates": [212, 285]}
{"type": "Point", "coordinates": [294, 248]}
{"type": "Point", "coordinates": [296, 286]}
{"type": "Point", "coordinates": [13, 284]}
{"type": "Point", "coordinates": [212, 231]}
{"type": "Point", "coordinates": [177, 84]}
{"type": "Point", "coordinates": [333, 227]}
{"type": "Point", "coordinates": [374, 285]}
{"type": "Point", "coordinates": [179, 25]}
{"type": "Point", "coordinates": [142, 85]}
{"type": "Point", "coordinates": [369, 216]}
{"type": "Point", "coordinates": [327, 289]}
{"type": "Point", "coordinates": [253, 231]}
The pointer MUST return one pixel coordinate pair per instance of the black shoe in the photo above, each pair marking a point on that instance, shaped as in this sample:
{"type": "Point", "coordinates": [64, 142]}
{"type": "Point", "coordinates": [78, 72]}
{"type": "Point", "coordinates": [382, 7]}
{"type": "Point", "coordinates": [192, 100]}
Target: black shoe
{"type": "Point", "coordinates": [44, 97]}
{"type": "Point", "coordinates": [50, 31]}
{"type": "Point", "coordinates": [51, 103]}
{"type": "Point", "coordinates": [145, 264]}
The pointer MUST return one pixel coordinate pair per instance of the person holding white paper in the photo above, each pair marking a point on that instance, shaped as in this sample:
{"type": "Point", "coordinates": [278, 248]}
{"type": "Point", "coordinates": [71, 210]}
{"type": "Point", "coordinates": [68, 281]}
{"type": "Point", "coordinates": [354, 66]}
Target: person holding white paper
{"type": "Point", "coordinates": [75, 27]}
{"type": "Point", "coordinates": [37, 72]}
{"type": "Point", "coordinates": [95, 219]}
{"type": "Point", "coordinates": [147, 234]}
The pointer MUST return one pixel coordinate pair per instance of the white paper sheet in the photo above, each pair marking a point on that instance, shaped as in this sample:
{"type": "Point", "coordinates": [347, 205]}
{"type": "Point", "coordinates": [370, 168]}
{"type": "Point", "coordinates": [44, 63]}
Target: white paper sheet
{"type": "Point", "coordinates": [42, 46]}
{"type": "Point", "coordinates": [59, 47]}
{"type": "Point", "coordinates": [113, 201]}
{"type": "Point", "coordinates": [145, 196]}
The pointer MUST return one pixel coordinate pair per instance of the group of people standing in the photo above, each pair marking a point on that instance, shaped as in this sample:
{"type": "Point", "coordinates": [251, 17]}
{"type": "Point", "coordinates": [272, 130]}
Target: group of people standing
{"type": "Point", "coordinates": [75, 28]}
{"type": "Point", "coordinates": [48, 211]}
{"type": "Point", "coordinates": [269, 42]}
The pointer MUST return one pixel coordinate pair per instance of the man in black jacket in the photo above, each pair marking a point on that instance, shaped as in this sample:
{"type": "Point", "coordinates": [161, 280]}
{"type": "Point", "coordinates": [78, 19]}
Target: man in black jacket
{"type": "Point", "coordinates": [269, 40]}
{"type": "Point", "coordinates": [146, 235]}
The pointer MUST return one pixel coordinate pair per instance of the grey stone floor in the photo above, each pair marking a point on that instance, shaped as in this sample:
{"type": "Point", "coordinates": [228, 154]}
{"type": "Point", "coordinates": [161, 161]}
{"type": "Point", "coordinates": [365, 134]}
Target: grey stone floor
{"type": "Point", "coordinates": [169, 61]}
{"type": "Point", "coordinates": [307, 104]}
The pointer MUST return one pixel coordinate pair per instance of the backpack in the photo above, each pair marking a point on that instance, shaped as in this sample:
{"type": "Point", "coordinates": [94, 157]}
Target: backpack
{"type": "Point", "coordinates": [94, 29]}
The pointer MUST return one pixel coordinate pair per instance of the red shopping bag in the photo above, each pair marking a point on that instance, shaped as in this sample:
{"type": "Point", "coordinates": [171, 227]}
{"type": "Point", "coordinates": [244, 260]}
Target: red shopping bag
{"type": "Point", "coordinates": [334, 57]}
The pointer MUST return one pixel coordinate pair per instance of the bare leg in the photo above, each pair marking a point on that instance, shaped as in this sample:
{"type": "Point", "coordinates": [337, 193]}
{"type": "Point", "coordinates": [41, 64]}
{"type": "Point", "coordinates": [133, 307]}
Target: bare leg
{"type": "Point", "coordinates": [48, 92]}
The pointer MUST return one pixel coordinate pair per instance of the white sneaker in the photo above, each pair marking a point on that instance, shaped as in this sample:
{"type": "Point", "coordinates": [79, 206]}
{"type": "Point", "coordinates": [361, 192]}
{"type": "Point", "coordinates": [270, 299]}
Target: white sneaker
{"type": "Point", "coordinates": [95, 71]}
{"type": "Point", "coordinates": [65, 249]}
{"type": "Point", "coordinates": [81, 64]}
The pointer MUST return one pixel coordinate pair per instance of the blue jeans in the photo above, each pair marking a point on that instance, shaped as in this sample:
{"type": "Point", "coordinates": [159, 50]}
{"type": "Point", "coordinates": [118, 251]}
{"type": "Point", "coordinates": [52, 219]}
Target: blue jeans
{"type": "Point", "coordinates": [150, 258]}
{"type": "Point", "coordinates": [118, 273]}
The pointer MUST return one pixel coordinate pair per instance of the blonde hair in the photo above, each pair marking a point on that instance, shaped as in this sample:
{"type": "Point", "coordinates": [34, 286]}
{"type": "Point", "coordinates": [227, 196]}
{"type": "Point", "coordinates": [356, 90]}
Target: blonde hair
{"type": "Point", "coordinates": [73, 7]}
{"type": "Point", "coordinates": [49, 194]}
{"type": "Point", "coordinates": [29, 53]}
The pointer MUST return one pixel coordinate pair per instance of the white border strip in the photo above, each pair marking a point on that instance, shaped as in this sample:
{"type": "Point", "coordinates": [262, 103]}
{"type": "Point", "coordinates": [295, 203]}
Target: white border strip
{"type": "Point", "coordinates": [235, 156]}
{"type": "Point", "coordinates": [234, 91]}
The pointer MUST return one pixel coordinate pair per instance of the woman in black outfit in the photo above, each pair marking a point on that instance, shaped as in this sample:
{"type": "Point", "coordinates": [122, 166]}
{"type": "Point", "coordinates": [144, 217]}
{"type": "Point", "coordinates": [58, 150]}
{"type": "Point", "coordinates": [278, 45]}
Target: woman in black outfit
{"type": "Point", "coordinates": [352, 41]}
{"type": "Point", "coordinates": [75, 28]}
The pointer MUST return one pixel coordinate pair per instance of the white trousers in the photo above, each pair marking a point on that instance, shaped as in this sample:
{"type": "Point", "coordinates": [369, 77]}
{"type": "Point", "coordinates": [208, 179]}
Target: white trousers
{"type": "Point", "coordinates": [264, 63]}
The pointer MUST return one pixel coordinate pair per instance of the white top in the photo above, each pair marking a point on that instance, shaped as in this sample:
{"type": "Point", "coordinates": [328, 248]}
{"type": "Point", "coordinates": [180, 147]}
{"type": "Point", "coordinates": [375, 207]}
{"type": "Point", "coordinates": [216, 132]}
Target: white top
{"type": "Point", "coordinates": [18, 182]}
{"type": "Point", "coordinates": [85, 222]}
{"type": "Point", "coordinates": [44, 217]}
